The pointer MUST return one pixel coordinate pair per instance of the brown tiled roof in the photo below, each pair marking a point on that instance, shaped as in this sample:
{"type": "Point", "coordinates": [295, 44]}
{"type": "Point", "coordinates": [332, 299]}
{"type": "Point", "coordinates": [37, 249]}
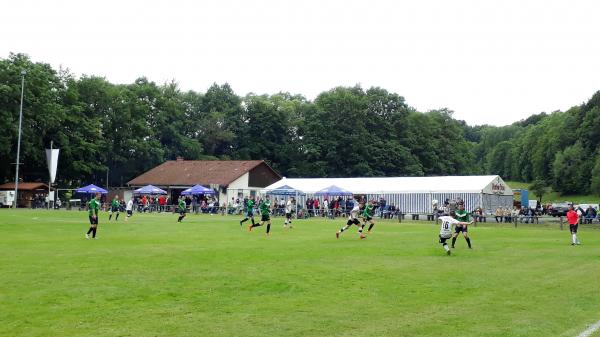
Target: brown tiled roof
{"type": "Point", "coordinates": [191, 172]}
{"type": "Point", "coordinates": [24, 186]}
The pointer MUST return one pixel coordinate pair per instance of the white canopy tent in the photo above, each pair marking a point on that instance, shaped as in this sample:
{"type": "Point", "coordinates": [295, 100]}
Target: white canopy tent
{"type": "Point", "coordinates": [415, 194]}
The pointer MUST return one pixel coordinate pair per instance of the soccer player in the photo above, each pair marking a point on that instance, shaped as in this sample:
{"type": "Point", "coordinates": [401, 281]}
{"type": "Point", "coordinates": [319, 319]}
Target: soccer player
{"type": "Point", "coordinates": [129, 209]}
{"type": "Point", "coordinates": [181, 208]}
{"type": "Point", "coordinates": [289, 208]}
{"type": "Point", "coordinates": [265, 213]}
{"type": "Point", "coordinates": [368, 213]}
{"type": "Point", "coordinates": [446, 229]}
{"type": "Point", "coordinates": [249, 211]}
{"type": "Point", "coordinates": [93, 207]}
{"type": "Point", "coordinates": [352, 219]}
{"type": "Point", "coordinates": [573, 219]}
{"type": "Point", "coordinates": [463, 217]}
{"type": "Point", "coordinates": [114, 207]}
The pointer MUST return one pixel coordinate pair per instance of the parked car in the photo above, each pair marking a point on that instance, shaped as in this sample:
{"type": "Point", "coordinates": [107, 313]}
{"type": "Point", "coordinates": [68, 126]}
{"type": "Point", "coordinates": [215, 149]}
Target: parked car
{"type": "Point", "coordinates": [559, 209]}
{"type": "Point", "coordinates": [585, 206]}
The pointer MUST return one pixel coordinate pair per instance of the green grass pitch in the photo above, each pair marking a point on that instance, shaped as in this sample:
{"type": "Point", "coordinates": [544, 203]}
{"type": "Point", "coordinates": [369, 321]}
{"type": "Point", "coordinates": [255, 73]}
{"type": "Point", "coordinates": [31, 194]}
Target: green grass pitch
{"type": "Point", "coordinates": [207, 276]}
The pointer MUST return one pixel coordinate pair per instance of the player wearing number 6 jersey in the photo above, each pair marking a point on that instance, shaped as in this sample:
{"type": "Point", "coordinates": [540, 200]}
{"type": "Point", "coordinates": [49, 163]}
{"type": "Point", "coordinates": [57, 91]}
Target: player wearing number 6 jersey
{"type": "Point", "coordinates": [446, 229]}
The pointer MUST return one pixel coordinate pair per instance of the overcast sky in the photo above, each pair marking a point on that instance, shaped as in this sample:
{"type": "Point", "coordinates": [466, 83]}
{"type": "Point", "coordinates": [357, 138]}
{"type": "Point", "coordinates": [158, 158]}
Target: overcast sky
{"type": "Point", "coordinates": [491, 62]}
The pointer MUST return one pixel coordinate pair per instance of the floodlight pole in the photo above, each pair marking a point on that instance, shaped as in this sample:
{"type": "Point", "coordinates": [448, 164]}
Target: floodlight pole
{"type": "Point", "coordinates": [23, 73]}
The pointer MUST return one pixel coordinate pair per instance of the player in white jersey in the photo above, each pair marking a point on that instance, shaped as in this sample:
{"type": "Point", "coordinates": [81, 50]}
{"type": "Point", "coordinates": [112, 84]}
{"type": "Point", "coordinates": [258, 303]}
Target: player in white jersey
{"type": "Point", "coordinates": [446, 228]}
{"type": "Point", "coordinates": [352, 219]}
{"type": "Point", "coordinates": [289, 208]}
{"type": "Point", "coordinates": [129, 208]}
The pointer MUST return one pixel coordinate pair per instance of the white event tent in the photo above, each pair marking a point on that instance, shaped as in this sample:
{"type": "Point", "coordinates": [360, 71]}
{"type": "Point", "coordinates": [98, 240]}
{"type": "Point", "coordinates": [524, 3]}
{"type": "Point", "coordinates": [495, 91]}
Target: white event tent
{"type": "Point", "coordinates": [415, 194]}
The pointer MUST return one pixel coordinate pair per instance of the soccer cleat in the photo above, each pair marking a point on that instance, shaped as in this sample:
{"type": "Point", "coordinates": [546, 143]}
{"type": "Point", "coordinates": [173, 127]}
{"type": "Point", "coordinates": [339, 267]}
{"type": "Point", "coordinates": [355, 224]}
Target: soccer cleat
{"type": "Point", "coordinates": [448, 252]}
{"type": "Point", "coordinates": [368, 232]}
{"type": "Point", "coordinates": [249, 228]}
{"type": "Point", "coordinates": [240, 224]}
{"type": "Point", "coordinates": [362, 236]}
{"type": "Point", "coordinates": [337, 235]}
{"type": "Point", "coordinates": [578, 243]}
{"type": "Point", "coordinates": [87, 236]}
{"type": "Point", "coordinates": [452, 247]}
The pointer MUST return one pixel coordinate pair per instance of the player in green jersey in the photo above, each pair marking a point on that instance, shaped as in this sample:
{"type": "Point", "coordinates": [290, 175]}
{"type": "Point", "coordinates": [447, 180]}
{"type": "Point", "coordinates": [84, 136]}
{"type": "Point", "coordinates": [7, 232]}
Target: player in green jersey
{"type": "Point", "coordinates": [181, 208]}
{"type": "Point", "coordinates": [114, 208]}
{"type": "Point", "coordinates": [93, 208]}
{"type": "Point", "coordinates": [463, 216]}
{"type": "Point", "coordinates": [265, 215]}
{"type": "Point", "coordinates": [249, 211]}
{"type": "Point", "coordinates": [368, 213]}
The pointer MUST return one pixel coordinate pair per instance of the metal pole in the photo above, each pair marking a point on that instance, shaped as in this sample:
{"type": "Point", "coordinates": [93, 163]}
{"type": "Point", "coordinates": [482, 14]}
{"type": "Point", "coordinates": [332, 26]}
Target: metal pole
{"type": "Point", "coordinates": [23, 72]}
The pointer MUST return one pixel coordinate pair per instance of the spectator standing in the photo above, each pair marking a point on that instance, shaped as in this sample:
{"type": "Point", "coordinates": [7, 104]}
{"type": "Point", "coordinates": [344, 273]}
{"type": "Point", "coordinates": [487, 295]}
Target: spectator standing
{"type": "Point", "coordinates": [590, 214]}
{"type": "Point", "coordinates": [580, 213]}
{"type": "Point", "coordinates": [382, 204]}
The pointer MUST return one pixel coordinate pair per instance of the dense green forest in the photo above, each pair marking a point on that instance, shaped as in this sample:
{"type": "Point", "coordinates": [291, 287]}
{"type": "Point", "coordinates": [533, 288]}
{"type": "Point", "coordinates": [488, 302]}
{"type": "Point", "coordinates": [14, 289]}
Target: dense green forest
{"type": "Point", "coordinates": [127, 129]}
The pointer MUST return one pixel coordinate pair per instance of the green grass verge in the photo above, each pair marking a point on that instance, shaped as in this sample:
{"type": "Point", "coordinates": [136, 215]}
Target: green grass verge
{"type": "Point", "coordinates": [209, 277]}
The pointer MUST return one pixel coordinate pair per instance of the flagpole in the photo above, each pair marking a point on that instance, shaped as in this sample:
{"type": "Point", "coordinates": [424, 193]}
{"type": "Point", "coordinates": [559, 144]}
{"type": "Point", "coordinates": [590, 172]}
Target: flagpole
{"type": "Point", "coordinates": [50, 178]}
{"type": "Point", "coordinates": [23, 73]}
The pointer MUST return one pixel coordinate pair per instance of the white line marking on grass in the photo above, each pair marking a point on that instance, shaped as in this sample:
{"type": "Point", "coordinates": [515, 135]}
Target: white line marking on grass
{"type": "Point", "coordinates": [590, 330]}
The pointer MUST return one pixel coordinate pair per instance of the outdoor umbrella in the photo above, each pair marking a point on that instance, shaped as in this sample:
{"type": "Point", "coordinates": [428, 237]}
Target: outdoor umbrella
{"type": "Point", "coordinates": [197, 189]}
{"type": "Point", "coordinates": [91, 189]}
{"type": "Point", "coordinates": [285, 190]}
{"type": "Point", "coordinates": [149, 189]}
{"type": "Point", "coordinates": [333, 190]}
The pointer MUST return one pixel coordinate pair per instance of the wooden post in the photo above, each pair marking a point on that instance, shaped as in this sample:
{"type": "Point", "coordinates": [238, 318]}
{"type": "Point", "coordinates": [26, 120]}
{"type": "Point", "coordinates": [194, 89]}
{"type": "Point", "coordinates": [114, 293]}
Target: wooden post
{"type": "Point", "coordinates": [561, 223]}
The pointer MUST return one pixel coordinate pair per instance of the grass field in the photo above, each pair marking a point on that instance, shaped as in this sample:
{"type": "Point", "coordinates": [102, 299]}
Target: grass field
{"type": "Point", "coordinates": [207, 277]}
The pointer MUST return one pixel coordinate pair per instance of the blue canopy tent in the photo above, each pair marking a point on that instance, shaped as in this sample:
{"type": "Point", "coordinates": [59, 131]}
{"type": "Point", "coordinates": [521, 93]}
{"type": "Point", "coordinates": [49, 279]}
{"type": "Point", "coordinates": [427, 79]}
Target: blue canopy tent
{"type": "Point", "coordinates": [91, 189]}
{"type": "Point", "coordinates": [333, 191]}
{"type": "Point", "coordinates": [149, 189]}
{"type": "Point", "coordinates": [198, 189]}
{"type": "Point", "coordinates": [285, 190]}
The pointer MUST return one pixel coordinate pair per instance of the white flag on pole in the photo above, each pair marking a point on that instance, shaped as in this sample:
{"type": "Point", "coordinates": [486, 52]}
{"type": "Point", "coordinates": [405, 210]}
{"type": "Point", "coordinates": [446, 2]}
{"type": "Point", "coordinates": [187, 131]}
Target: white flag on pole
{"type": "Point", "coordinates": [52, 160]}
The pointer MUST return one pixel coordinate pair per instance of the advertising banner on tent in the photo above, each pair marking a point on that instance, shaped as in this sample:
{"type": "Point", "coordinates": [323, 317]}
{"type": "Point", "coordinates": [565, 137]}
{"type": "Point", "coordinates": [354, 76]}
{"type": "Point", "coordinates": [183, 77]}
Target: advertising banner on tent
{"type": "Point", "coordinates": [52, 160]}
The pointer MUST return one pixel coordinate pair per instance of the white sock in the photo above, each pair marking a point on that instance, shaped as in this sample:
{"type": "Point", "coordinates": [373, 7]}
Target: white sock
{"type": "Point", "coordinates": [446, 248]}
{"type": "Point", "coordinates": [574, 238]}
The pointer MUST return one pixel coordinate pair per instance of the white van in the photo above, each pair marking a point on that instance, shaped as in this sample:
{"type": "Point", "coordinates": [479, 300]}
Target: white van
{"type": "Point", "coordinates": [7, 198]}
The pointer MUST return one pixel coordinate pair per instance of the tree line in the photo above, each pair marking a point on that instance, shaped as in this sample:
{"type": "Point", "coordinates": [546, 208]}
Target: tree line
{"type": "Point", "coordinates": [126, 129]}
